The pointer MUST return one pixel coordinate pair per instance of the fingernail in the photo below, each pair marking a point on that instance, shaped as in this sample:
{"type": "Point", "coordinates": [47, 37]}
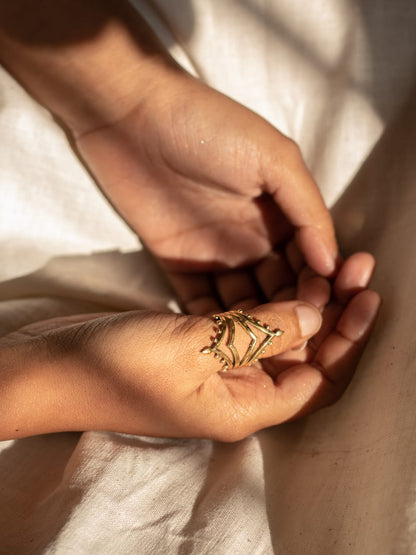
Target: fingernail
{"type": "Point", "coordinates": [309, 319]}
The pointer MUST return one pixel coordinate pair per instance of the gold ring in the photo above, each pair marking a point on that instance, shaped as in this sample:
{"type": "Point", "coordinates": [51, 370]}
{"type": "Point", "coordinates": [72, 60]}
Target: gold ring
{"type": "Point", "coordinates": [226, 325]}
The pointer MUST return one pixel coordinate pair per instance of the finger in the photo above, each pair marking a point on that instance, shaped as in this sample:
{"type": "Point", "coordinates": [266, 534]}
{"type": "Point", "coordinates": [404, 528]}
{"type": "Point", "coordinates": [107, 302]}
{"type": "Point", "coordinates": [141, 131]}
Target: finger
{"type": "Point", "coordinates": [171, 348]}
{"type": "Point", "coordinates": [330, 317]}
{"type": "Point", "coordinates": [313, 288]}
{"type": "Point", "coordinates": [350, 333]}
{"type": "Point", "coordinates": [354, 276]}
{"type": "Point", "coordinates": [237, 288]}
{"type": "Point", "coordinates": [323, 259]}
{"type": "Point", "coordinates": [196, 292]}
{"type": "Point", "coordinates": [341, 350]}
{"type": "Point", "coordinates": [296, 193]}
{"type": "Point", "coordinates": [273, 274]}
{"type": "Point", "coordinates": [305, 388]}
{"type": "Point", "coordinates": [298, 320]}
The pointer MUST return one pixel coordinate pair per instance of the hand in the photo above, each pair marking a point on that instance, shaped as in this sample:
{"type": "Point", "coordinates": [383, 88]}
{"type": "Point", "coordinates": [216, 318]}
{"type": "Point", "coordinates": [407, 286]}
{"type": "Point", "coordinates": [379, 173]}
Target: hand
{"type": "Point", "coordinates": [144, 372]}
{"type": "Point", "coordinates": [217, 194]}
{"type": "Point", "coordinates": [207, 184]}
{"type": "Point", "coordinates": [211, 188]}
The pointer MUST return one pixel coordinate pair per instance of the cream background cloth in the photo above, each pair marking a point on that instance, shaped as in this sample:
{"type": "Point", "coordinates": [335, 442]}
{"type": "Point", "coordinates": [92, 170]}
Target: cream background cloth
{"type": "Point", "coordinates": [335, 76]}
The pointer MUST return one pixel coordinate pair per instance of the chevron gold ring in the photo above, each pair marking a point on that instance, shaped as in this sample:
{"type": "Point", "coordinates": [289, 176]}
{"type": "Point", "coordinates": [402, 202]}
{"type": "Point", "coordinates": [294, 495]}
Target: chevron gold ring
{"type": "Point", "coordinates": [227, 326]}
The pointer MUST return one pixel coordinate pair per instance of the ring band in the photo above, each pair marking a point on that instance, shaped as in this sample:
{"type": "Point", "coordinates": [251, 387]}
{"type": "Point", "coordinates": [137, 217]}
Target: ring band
{"type": "Point", "coordinates": [226, 325]}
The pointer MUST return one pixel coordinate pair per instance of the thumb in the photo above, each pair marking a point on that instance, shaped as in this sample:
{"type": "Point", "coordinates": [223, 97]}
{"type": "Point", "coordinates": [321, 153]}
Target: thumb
{"type": "Point", "coordinates": [234, 339]}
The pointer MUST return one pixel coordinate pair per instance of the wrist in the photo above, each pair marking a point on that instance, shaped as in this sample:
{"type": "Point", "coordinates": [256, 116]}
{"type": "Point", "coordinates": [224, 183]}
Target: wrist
{"type": "Point", "coordinates": [116, 76]}
{"type": "Point", "coordinates": [45, 388]}
{"type": "Point", "coordinates": [23, 368]}
{"type": "Point", "coordinates": [91, 67]}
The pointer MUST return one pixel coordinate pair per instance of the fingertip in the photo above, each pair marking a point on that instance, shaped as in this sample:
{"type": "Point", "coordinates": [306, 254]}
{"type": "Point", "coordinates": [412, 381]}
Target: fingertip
{"type": "Point", "coordinates": [299, 389]}
{"type": "Point", "coordinates": [319, 249]}
{"type": "Point", "coordinates": [367, 256]}
{"type": "Point", "coordinates": [355, 275]}
{"type": "Point", "coordinates": [313, 288]}
{"type": "Point", "coordinates": [309, 319]}
{"type": "Point", "coordinates": [298, 321]}
{"type": "Point", "coordinates": [359, 316]}
{"type": "Point", "coordinates": [373, 300]}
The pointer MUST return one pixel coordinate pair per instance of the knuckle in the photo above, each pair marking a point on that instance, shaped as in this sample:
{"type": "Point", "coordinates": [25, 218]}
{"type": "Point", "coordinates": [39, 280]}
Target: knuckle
{"type": "Point", "coordinates": [188, 335]}
{"type": "Point", "coordinates": [185, 328]}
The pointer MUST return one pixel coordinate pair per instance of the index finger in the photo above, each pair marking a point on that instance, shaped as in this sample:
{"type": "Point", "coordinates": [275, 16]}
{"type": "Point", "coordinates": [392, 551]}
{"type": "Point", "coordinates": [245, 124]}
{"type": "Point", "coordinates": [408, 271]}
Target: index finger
{"type": "Point", "coordinates": [290, 183]}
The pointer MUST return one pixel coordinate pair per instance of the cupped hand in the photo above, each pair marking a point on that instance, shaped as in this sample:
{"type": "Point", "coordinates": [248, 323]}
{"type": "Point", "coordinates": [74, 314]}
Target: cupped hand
{"type": "Point", "coordinates": [211, 188]}
{"type": "Point", "coordinates": [145, 373]}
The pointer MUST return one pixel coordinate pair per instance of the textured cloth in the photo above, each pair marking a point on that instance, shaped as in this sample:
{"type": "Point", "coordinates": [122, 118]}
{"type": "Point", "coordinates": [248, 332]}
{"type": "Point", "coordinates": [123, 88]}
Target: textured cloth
{"type": "Point", "coordinates": [337, 77]}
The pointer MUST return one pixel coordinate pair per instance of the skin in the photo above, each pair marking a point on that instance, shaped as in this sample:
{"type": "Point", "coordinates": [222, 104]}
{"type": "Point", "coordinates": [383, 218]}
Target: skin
{"type": "Point", "coordinates": [225, 203]}
{"type": "Point", "coordinates": [231, 193]}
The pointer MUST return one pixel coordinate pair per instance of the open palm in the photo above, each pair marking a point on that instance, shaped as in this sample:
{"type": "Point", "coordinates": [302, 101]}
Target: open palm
{"type": "Point", "coordinates": [144, 372]}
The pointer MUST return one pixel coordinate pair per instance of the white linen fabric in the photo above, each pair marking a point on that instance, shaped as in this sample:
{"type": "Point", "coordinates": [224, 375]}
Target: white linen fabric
{"type": "Point", "coordinates": [337, 77]}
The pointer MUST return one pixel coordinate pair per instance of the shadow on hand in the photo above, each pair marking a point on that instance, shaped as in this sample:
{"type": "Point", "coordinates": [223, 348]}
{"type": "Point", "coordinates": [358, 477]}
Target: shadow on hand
{"type": "Point", "coordinates": [49, 27]}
